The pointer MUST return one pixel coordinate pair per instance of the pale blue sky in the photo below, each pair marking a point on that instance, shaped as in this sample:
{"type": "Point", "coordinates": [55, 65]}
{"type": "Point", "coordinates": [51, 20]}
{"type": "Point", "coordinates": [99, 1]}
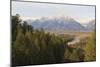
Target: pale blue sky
{"type": "Point", "coordinates": [30, 9]}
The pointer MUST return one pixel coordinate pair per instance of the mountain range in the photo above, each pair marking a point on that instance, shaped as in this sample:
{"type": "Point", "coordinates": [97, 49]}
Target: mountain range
{"type": "Point", "coordinates": [61, 24]}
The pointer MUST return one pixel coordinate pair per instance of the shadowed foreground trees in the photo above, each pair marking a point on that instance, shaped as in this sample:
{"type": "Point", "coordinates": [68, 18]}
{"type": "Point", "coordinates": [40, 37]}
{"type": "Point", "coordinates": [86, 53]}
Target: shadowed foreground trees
{"type": "Point", "coordinates": [31, 46]}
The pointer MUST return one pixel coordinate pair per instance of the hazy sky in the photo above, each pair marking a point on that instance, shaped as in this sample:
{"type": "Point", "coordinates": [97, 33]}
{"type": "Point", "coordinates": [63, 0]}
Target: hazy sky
{"type": "Point", "coordinates": [35, 10]}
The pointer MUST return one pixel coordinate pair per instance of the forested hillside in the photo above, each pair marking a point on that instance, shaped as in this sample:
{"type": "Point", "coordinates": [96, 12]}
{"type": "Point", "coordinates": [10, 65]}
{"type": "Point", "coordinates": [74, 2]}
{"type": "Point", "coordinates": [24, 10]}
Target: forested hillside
{"type": "Point", "coordinates": [35, 46]}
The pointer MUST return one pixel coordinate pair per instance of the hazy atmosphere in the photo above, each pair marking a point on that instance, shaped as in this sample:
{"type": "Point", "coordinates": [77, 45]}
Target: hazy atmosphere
{"type": "Point", "coordinates": [30, 10]}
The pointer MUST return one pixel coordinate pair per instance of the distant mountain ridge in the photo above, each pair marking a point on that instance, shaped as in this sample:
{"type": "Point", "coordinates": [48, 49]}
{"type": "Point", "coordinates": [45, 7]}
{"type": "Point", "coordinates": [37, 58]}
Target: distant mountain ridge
{"type": "Point", "coordinates": [61, 24]}
{"type": "Point", "coordinates": [90, 25]}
